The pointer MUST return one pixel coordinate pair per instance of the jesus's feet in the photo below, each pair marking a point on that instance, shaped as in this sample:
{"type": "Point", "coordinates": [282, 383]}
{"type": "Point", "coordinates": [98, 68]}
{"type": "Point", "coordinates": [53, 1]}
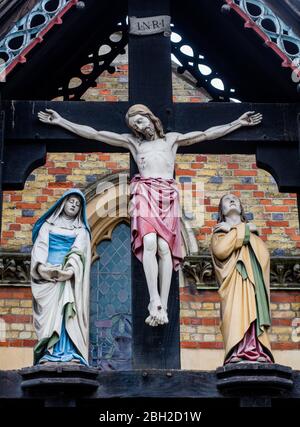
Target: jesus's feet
{"type": "Point", "coordinates": [158, 315]}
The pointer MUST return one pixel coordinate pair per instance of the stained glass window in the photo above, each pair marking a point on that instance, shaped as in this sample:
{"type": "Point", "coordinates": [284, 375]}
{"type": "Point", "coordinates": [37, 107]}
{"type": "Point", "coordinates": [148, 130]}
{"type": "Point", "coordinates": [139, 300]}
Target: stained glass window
{"type": "Point", "coordinates": [110, 303]}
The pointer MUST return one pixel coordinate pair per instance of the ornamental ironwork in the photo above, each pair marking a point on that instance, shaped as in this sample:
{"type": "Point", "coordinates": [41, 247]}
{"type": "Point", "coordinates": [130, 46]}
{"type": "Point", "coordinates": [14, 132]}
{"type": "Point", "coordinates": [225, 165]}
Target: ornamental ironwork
{"type": "Point", "coordinates": [30, 29]}
{"type": "Point", "coordinates": [189, 57]}
{"type": "Point", "coordinates": [97, 60]}
{"type": "Point", "coordinates": [273, 26]}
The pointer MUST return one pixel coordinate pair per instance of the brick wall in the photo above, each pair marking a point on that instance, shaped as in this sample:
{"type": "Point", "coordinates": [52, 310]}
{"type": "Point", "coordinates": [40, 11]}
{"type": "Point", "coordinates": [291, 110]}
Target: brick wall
{"type": "Point", "coordinates": [200, 320]}
{"type": "Point", "coordinates": [275, 215]}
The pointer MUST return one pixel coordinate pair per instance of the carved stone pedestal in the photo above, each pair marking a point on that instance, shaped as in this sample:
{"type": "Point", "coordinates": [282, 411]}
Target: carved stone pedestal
{"type": "Point", "coordinates": [254, 383]}
{"type": "Point", "coordinates": [59, 384]}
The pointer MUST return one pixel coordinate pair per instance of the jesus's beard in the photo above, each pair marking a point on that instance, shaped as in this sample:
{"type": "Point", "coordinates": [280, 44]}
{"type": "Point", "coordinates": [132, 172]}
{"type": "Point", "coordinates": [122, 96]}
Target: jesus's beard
{"type": "Point", "coordinates": [149, 133]}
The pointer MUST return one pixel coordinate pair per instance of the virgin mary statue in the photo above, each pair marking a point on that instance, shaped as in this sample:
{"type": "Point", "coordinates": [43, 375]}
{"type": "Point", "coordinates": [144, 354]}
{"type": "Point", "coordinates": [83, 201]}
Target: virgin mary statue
{"type": "Point", "coordinates": [60, 271]}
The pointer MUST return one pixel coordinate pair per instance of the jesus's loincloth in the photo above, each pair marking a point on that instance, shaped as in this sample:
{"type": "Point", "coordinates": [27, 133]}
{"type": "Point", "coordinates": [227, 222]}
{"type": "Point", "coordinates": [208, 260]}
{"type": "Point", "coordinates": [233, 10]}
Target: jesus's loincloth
{"type": "Point", "coordinates": [154, 208]}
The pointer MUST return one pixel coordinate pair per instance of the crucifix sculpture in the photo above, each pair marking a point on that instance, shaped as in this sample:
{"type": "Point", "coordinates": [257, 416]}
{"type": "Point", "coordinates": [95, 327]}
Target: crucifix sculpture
{"type": "Point", "coordinates": [155, 227]}
{"type": "Point", "coordinates": [26, 141]}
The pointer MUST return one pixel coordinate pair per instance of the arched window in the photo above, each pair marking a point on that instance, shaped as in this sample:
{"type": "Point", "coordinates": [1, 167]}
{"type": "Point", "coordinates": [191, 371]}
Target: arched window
{"type": "Point", "coordinates": [110, 303]}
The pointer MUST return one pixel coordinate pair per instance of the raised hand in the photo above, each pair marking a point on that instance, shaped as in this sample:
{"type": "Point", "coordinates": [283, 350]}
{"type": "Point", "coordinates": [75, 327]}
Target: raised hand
{"type": "Point", "coordinates": [250, 118]}
{"type": "Point", "coordinates": [50, 117]}
{"type": "Point", "coordinates": [222, 226]}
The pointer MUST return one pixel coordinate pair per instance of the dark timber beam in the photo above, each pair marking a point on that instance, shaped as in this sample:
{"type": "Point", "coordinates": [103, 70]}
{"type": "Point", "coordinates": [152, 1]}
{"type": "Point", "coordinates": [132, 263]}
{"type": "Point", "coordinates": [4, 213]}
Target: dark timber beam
{"type": "Point", "coordinates": [275, 141]}
{"type": "Point", "coordinates": [150, 83]}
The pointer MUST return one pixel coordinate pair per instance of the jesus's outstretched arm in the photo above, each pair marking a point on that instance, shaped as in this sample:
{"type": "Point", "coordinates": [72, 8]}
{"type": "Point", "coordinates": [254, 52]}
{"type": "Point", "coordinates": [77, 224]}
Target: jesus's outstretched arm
{"type": "Point", "coordinates": [111, 138]}
{"type": "Point", "coordinates": [247, 119]}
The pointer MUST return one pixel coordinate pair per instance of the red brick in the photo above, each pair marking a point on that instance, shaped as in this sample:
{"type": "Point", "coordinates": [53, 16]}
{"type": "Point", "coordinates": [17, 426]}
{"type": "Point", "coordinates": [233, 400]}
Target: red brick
{"type": "Point", "coordinates": [112, 165]}
{"type": "Point", "coordinates": [266, 231]}
{"type": "Point", "coordinates": [245, 187]}
{"type": "Point", "coordinates": [8, 234]}
{"type": "Point", "coordinates": [197, 165]}
{"type": "Point", "coordinates": [16, 198]}
{"type": "Point", "coordinates": [282, 296]}
{"type": "Point", "coordinates": [16, 293]}
{"type": "Point", "coordinates": [105, 92]}
{"type": "Point", "coordinates": [16, 227]}
{"type": "Point", "coordinates": [281, 322]}
{"type": "Point", "coordinates": [14, 318]}
{"type": "Point", "coordinates": [188, 344]}
{"type": "Point", "coordinates": [47, 191]}
{"type": "Point", "coordinates": [245, 173]}
{"type": "Point", "coordinates": [206, 321]}
{"type": "Point", "coordinates": [292, 202]}
{"type": "Point", "coordinates": [104, 157]}
{"type": "Point", "coordinates": [212, 208]}
{"type": "Point", "coordinates": [210, 223]}
{"type": "Point", "coordinates": [258, 193]}
{"type": "Point", "coordinates": [25, 220]}
{"type": "Point", "coordinates": [185, 172]}
{"type": "Point", "coordinates": [49, 164]}
{"type": "Point", "coordinates": [201, 159]}
{"type": "Point", "coordinates": [60, 184]}
{"type": "Point", "coordinates": [72, 164]}
{"type": "Point", "coordinates": [28, 206]}
{"type": "Point", "coordinates": [213, 344]}
{"type": "Point", "coordinates": [295, 238]}
{"type": "Point", "coordinates": [19, 343]}
{"type": "Point", "coordinates": [80, 156]}
{"type": "Point", "coordinates": [277, 223]}
{"type": "Point", "coordinates": [232, 165]}
{"type": "Point", "coordinates": [290, 231]}
{"type": "Point", "coordinates": [205, 230]}
{"type": "Point", "coordinates": [60, 171]}
{"type": "Point", "coordinates": [111, 98]}
{"type": "Point", "coordinates": [265, 201]}
{"type": "Point", "coordinates": [276, 208]}
{"type": "Point", "coordinates": [285, 346]}
{"type": "Point", "coordinates": [42, 199]}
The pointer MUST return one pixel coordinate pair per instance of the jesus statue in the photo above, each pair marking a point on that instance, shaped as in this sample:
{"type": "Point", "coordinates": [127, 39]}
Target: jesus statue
{"type": "Point", "coordinates": [155, 225]}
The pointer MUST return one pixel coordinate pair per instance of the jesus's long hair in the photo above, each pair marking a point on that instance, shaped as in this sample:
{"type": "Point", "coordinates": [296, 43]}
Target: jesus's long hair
{"type": "Point", "coordinates": [144, 111]}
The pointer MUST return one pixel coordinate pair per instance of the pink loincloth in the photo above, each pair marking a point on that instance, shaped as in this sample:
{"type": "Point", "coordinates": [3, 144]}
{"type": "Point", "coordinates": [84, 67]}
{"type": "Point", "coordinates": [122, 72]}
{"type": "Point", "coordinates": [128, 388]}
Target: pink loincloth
{"type": "Point", "coordinates": [249, 348]}
{"type": "Point", "coordinates": [154, 208]}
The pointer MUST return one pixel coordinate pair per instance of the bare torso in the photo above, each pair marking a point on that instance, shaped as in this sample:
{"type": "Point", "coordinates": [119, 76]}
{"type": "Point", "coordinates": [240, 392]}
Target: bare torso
{"type": "Point", "coordinates": [155, 159]}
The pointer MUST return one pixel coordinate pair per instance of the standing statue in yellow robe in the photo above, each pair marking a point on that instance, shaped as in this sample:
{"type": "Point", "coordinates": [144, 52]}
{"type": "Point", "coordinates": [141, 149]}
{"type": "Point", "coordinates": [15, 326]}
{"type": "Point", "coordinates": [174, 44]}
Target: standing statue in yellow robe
{"type": "Point", "coordinates": [242, 266]}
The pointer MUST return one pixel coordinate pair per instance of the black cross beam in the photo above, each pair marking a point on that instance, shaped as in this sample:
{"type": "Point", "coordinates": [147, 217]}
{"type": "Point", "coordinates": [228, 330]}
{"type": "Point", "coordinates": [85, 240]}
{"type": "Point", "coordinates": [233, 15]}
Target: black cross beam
{"type": "Point", "coordinates": [275, 143]}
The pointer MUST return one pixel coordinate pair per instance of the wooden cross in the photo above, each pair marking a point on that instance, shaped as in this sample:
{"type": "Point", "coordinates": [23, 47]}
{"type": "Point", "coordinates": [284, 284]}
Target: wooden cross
{"type": "Point", "coordinates": [27, 141]}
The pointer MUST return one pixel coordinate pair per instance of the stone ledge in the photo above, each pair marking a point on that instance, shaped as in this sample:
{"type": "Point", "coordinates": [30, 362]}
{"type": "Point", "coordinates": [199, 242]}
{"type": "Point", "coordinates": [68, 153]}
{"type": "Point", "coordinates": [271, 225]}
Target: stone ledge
{"type": "Point", "coordinates": [254, 378]}
{"type": "Point", "coordinates": [58, 376]}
